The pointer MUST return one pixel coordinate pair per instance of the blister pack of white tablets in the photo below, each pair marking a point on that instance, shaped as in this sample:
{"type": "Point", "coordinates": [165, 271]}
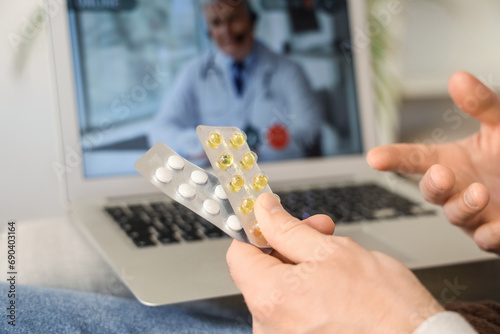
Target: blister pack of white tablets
{"type": "Point", "coordinates": [190, 185]}
{"type": "Point", "coordinates": [240, 176]}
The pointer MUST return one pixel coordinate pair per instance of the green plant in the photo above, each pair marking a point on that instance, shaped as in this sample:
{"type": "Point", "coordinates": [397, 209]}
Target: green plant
{"type": "Point", "coordinates": [386, 83]}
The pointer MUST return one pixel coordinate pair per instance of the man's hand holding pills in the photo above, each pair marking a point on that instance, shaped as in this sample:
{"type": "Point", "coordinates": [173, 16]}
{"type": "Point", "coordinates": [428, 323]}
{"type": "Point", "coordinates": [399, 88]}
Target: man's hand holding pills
{"type": "Point", "coordinates": [323, 283]}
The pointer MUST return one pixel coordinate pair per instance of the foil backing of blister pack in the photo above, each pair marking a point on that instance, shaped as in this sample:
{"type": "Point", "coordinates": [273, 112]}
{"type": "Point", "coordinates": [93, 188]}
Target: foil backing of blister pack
{"type": "Point", "coordinates": [228, 152]}
{"type": "Point", "coordinates": [187, 184]}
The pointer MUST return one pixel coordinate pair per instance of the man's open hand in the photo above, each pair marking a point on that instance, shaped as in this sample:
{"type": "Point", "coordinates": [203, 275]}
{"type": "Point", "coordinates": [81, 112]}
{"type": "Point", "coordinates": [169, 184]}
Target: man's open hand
{"type": "Point", "coordinates": [463, 176]}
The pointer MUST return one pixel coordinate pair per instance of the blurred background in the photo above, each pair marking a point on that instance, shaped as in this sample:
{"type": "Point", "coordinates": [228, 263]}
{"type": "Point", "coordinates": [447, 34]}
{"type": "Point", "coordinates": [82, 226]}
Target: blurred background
{"type": "Point", "coordinates": [415, 52]}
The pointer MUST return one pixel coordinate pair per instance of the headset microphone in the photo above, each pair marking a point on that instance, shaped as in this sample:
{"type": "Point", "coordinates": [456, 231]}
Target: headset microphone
{"type": "Point", "coordinates": [240, 39]}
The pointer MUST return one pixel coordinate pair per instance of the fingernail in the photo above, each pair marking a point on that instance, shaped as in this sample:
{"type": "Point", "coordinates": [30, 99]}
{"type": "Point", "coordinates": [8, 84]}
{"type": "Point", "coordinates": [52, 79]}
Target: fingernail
{"type": "Point", "coordinates": [272, 204]}
{"type": "Point", "coordinates": [469, 199]}
{"type": "Point", "coordinates": [433, 183]}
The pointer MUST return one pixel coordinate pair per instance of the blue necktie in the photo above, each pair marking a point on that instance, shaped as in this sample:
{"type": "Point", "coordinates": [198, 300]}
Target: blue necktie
{"type": "Point", "coordinates": [238, 69]}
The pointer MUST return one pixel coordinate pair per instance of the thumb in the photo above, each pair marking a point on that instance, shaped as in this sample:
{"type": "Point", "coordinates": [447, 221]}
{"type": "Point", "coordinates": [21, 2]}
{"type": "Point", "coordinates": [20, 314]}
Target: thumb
{"type": "Point", "coordinates": [290, 236]}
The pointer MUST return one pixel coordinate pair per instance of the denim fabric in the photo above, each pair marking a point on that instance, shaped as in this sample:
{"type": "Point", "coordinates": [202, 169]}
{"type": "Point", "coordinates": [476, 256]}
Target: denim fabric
{"type": "Point", "coordinates": [46, 310]}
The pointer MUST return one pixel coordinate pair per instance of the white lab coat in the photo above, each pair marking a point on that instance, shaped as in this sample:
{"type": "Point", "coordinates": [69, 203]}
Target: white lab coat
{"type": "Point", "coordinates": [276, 92]}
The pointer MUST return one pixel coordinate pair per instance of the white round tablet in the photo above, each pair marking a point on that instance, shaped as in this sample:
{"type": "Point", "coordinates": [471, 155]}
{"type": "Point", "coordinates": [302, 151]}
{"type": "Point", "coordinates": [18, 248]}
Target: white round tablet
{"type": "Point", "coordinates": [234, 223]}
{"type": "Point", "coordinates": [187, 191]}
{"type": "Point", "coordinates": [199, 177]}
{"type": "Point", "coordinates": [163, 175]}
{"type": "Point", "coordinates": [220, 193]}
{"type": "Point", "coordinates": [176, 162]}
{"type": "Point", "coordinates": [211, 206]}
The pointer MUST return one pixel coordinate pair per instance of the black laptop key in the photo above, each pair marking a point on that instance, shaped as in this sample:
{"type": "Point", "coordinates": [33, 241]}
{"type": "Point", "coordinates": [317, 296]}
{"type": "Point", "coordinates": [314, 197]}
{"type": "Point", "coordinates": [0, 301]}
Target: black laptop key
{"type": "Point", "coordinates": [213, 232]}
{"type": "Point", "coordinates": [136, 228]}
{"type": "Point", "coordinates": [168, 222]}
{"type": "Point", "coordinates": [140, 219]}
{"type": "Point", "coordinates": [153, 214]}
{"type": "Point", "coordinates": [166, 238]}
{"type": "Point", "coordinates": [121, 220]}
{"type": "Point", "coordinates": [191, 236]}
{"type": "Point", "coordinates": [160, 228]}
{"type": "Point", "coordinates": [134, 223]}
{"type": "Point", "coordinates": [143, 242]}
{"type": "Point", "coordinates": [159, 207]}
{"type": "Point", "coordinates": [187, 228]}
{"type": "Point", "coordinates": [139, 234]}
{"type": "Point", "coordinates": [137, 208]}
{"type": "Point", "coordinates": [115, 212]}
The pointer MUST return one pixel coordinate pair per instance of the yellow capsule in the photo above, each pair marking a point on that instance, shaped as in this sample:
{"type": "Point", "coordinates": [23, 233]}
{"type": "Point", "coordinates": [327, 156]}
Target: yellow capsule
{"type": "Point", "coordinates": [214, 139]}
{"type": "Point", "coordinates": [237, 140]}
{"type": "Point", "coordinates": [237, 182]}
{"type": "Point", "coordinates": [225, 160]}
{"type": "Point", "coordinates": [247, 205]}
{"type": "Point", "coordinates": [256, 231]}
{"type": "Point", "coordinates": [259, 182]}
{"type": "Point", "coordinates": [248, 160]}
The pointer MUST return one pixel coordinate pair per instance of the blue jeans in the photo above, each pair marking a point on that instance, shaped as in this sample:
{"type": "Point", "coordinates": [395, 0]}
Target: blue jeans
{"type": "Point", "coordinates": [44, 310]}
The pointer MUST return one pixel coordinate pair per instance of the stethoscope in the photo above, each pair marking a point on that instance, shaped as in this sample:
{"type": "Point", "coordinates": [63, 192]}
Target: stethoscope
{"type": "Point", "coordinates": [211, 68]}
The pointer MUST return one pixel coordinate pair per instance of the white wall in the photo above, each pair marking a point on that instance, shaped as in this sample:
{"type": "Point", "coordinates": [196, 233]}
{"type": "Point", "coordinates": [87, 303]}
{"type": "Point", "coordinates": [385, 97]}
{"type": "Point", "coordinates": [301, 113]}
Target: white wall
{"type": "Point", "coordinates": [444, 36]}
{"type": "Point", "coordinates": [28, 186]}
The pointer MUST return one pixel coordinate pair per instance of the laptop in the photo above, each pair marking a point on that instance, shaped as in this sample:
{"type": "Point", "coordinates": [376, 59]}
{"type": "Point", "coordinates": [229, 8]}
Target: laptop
{"type": "Point", "coordinates": [117, 62]}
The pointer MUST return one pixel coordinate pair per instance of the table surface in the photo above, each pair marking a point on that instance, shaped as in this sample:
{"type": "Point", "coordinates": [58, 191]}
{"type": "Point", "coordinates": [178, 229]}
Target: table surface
{"type": "Point", "coordinates": [464, 282]}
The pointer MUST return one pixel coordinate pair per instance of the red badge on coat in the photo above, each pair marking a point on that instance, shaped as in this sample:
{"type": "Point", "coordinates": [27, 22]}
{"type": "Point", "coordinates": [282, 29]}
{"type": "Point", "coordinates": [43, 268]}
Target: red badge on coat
{"type": "Point", "coordinates": [278, 136]}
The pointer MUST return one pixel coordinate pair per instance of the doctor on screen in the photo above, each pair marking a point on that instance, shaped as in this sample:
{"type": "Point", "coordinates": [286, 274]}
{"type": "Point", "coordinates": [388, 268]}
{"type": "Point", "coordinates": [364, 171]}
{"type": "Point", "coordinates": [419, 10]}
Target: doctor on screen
{"type": "Point", "coordinates": [240, 83]}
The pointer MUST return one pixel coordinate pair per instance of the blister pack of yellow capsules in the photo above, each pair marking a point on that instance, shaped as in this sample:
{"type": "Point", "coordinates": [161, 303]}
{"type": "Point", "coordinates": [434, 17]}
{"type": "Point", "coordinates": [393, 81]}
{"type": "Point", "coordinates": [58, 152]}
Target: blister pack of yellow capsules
{"type": "Point", "coordinates": [240, 176]}
{"type": "Point", "coordinates": [191, 186]}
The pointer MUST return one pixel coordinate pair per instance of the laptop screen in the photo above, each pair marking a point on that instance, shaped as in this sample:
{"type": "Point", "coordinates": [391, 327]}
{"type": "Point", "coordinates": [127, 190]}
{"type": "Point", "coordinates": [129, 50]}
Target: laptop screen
{"type": "Point", "coordinates": [152, 70]}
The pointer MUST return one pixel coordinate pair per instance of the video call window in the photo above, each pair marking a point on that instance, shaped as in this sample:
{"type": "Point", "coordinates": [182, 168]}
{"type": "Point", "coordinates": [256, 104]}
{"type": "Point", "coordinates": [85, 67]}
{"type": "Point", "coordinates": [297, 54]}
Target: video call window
{"type": "Point", "coordinates": [151, 70]}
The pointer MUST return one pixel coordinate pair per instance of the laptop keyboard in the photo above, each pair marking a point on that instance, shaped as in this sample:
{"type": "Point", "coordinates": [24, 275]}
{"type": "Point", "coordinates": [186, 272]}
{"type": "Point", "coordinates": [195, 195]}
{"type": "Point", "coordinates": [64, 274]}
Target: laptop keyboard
{"type": "Point", "coordinates": [164, 223]}
{"type": "Point", "coordinates": [350, 204]}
